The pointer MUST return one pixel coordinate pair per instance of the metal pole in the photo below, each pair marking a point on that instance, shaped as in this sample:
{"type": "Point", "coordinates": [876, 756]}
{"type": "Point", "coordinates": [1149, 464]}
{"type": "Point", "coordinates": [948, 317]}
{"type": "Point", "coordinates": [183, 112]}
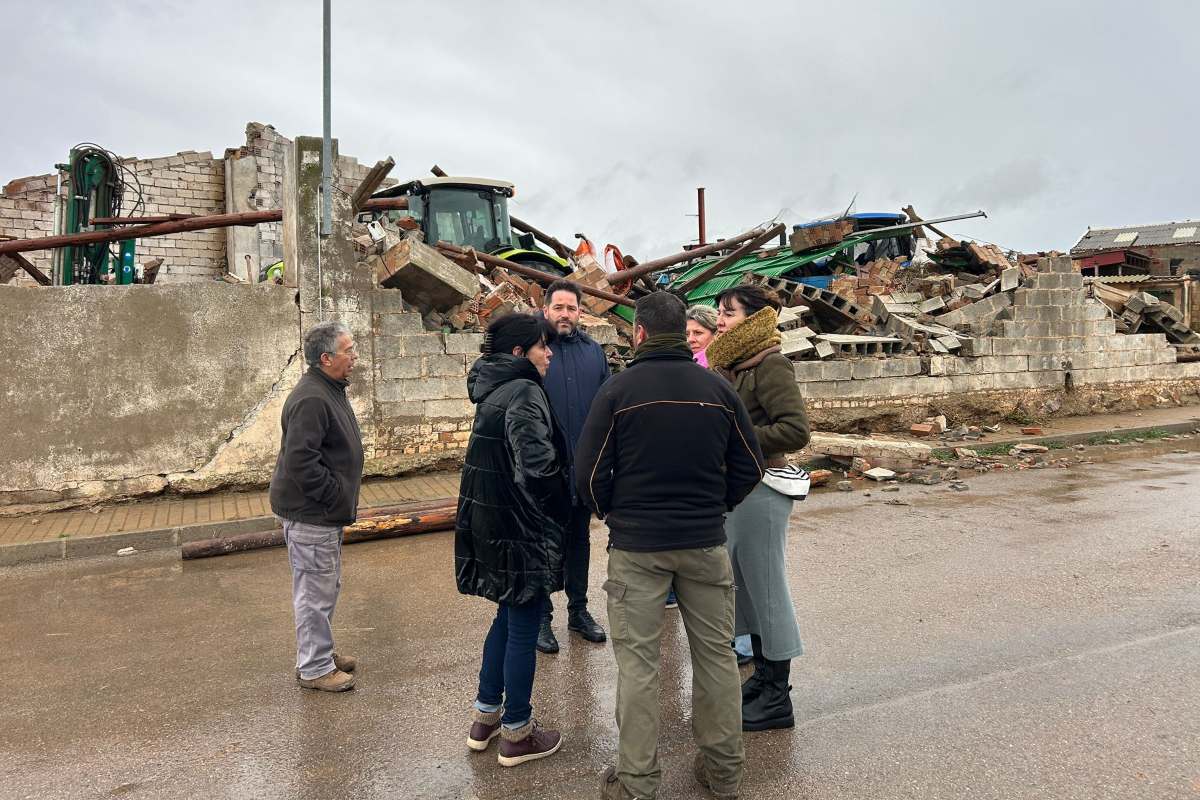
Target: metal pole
{"type": "Point", "coordinates": [700, 213]}
{"type": "Point", "coordinates": [326, 143]}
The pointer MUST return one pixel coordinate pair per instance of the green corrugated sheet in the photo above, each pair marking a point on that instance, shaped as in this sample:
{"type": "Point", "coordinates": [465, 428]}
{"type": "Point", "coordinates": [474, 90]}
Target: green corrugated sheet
{"type": "Point", "coordinates": [774, 267]}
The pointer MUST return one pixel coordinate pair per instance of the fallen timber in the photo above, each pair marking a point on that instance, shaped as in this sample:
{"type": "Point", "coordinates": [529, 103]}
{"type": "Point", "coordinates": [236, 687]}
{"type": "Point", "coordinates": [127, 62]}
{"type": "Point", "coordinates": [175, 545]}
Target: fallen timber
{"type": "Point", "coordinates": [381, 523]}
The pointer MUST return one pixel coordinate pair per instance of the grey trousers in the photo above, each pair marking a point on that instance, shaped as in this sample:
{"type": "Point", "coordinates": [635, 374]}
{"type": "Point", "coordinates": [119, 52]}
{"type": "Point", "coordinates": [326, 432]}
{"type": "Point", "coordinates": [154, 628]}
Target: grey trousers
{"type": "Point", "coordinates": [757, 538]}
{"type": "Point", "coordinates": [315, 553]}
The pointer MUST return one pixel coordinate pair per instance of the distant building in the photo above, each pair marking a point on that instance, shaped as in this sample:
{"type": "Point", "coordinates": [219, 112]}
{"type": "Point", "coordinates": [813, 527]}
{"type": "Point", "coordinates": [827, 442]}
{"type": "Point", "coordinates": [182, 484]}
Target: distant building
{"type": "Point", "coordinates": [1168, 248]}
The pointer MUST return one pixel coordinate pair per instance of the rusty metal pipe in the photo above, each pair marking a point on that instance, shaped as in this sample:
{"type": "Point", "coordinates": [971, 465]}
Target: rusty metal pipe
{"type": "Point", "coordinates": [749, 247]}
{"type": "Point", "coordinates": [659, 264]}
{"type": "Point", "coordinates": [700, 219]}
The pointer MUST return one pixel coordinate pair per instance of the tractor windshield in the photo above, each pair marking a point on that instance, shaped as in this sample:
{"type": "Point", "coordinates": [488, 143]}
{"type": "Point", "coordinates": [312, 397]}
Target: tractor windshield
{"type": "Point", "coordinates": [469, 218]}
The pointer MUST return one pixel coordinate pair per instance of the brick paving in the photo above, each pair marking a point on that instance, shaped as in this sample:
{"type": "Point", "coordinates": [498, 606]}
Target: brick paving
{"type": "Point", "coordinates": [159, 513]}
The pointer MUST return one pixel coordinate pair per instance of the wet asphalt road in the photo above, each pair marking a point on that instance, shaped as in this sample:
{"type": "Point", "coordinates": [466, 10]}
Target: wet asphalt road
{"type": "Point", "coordinates": [1035, 637]}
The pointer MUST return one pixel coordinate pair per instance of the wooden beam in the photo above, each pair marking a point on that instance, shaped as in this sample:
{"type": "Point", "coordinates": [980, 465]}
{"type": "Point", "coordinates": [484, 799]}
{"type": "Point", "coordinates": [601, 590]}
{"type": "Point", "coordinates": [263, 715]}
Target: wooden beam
{"type": "Point", "coordinates": [749, 247]}
{"type": "Point", "coordinates": [33, 271]}
{"type": "Point", "coordinates": [912, 217]}
{"type": "Point", "coordinates": [554, 244]}
{"type": "Point", "coordinates": [374, 179]}
{"type": "Point", "coordinates": [529, 272]}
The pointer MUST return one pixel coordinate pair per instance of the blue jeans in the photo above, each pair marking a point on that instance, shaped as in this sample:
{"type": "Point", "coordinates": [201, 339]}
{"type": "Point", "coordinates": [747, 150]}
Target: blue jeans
{"type": "Point", "coordinates": [509, 661]}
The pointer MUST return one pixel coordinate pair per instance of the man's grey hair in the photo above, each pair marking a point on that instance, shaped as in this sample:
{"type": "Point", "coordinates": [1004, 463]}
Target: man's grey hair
{"type": "Point", "coordinates": [322, 338]}
{"type": "Point", "coordinates": [703, 315]}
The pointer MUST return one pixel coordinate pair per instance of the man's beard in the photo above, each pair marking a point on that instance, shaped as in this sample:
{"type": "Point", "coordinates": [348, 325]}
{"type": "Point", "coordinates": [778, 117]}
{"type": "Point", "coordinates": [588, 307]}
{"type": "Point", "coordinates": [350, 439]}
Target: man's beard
{"type": "Point", "coordinates": [566, 327]}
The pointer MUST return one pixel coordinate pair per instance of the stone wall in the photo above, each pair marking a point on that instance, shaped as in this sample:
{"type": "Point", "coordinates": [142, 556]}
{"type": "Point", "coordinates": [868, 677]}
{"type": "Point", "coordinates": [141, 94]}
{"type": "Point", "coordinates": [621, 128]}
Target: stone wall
{"type": "Point", "coordinates": [1056, 353]}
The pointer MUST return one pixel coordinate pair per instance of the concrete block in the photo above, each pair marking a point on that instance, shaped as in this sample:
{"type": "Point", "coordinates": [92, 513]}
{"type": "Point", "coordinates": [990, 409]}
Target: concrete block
{"type": "Point", "coordinates": [423, 345]}
{"type": "Point", "coordinates": [1060, 264]}
{"type": "Point", "coordinates": [450, 408]}
{"type": "Point", "coordinates": [428, 280]}
{"type": "Point", "coordinates": [865, 369]}
{"type": "Point", "coordinates": [824, 349]}
{"type": "Point", "coordinates": [1150, 357]}
{"type": "Point", "coordinates": [401, 367]}
{"type": "Point", "coordinates": [1096, 311]}
{"type": "Point", "coordinates": [807, 371]}
{"type": "Point", "coordinates": [432, 388]}
{"type": "Point", "coordinates": [1018, 330]}
{"type": "Point", "coordinates": [932, 305]}
{"type": "Point", "coordinates": [1010, 279]}
{"type": "Point", "coordinates": [400, 409]}
{"type": "Point", "coordinates": [443, 366]}
{"type": "Point", "coordinates": [1146, 341]}
{"type": "Point", "coordinates": [837, 370]}
{"type": "Point", "coordinates": [900, 366]}
{"type": "Point", "coordinates": [981, 383]}
{"type": "Point", "coordinates": [981, 346]}
{"type": "Point", "coordinates": [997, 364]}
{"type": "Point", "coordinates": [1045, 362]}
{"type": "Point", "coordinates": [399, 324]}
{"type": "Point", "coordinates": [386, 301]}
{"type": "Point", "coordinates": [823, 390]}
{"type": "Point", "coordinates": [463, 343]}
{"type": "Point", "coordinates": [1027, 380]}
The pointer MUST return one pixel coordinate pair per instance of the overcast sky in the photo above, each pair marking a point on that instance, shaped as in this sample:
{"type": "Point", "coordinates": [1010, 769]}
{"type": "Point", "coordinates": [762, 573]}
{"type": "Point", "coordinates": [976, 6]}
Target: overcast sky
{"type": "Point", "coordinates": [1050, 116]}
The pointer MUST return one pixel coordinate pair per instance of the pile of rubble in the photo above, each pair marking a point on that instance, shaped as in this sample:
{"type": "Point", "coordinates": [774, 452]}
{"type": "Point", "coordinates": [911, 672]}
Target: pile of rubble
{"type": "Point", "coordinates": [458, 289]}
{"type": "Point", "coordinates": [936, 302]}
{"type": "Point", "coordinates": [1142, 312]}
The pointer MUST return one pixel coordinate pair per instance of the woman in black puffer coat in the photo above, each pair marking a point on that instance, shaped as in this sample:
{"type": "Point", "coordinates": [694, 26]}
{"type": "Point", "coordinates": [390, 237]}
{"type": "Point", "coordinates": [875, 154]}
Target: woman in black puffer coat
{"type": "Point", "coordinates": [508, 541]}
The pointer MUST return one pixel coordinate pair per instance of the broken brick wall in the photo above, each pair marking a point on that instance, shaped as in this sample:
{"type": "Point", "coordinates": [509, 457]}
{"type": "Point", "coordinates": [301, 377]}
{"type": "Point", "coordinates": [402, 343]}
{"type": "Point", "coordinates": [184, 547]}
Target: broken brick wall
{"type": "Point", "coordinates": [185, 183]}
{"type": "Point", "coordinates": [1057, 353]}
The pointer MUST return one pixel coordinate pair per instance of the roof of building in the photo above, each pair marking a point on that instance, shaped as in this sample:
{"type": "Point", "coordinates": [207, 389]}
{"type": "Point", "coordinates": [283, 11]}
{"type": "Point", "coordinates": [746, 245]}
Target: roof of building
{"type": "Point", "coordinates": [1186, 232]}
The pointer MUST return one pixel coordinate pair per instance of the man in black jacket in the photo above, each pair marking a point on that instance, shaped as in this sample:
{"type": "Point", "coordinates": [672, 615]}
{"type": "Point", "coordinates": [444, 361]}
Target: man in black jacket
{"type": "Point", "coordinates": [314, 493]}
{"type": "Point", "coordinates": [667, 449]}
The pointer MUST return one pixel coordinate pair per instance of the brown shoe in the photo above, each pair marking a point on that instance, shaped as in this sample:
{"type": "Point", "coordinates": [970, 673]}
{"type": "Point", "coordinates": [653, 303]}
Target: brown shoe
{"type": "Point", "coordinates": [333, 681]}
{"type": "Point", "coordinates": [611, 787]}
{"type": "Point", "coordinates": [703, 778]}
{"type": "Point", "coordinates": [527, 743]}
{"type": "Point", "coordinates": [344, 663]}
{"type": "Point", "coordinates": [485, 726]}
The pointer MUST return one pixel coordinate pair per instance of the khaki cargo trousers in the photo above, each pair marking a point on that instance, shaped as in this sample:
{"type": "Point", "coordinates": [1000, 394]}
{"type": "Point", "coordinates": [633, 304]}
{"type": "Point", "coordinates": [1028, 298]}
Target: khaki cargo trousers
{"type": "Point", "coordinates": [637, 591]}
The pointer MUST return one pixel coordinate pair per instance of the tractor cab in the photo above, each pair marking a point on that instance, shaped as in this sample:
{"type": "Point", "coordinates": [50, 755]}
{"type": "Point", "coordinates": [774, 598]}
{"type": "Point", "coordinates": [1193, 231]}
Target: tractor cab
{"type": "Point", "coordinates": [469, 212]}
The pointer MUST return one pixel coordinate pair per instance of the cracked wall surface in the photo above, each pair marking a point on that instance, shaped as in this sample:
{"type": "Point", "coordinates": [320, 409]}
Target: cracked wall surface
{"type": "Point", "coordinates": [125, 390]}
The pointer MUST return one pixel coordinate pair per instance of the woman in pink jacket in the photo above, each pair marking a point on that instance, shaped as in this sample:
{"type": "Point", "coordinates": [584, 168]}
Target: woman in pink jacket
{"type": "Point", "coordinates": [701, 330]}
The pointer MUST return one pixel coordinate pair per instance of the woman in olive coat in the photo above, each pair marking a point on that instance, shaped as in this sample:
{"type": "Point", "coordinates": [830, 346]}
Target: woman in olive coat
{"type": "Point", "coordinates": [747, 352]}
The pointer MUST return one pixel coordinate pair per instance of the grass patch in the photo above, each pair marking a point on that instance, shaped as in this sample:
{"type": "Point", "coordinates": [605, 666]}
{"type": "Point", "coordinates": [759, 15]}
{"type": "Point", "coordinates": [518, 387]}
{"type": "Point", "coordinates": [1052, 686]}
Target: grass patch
{"type": "Point", "coordinates": [1124, 437]}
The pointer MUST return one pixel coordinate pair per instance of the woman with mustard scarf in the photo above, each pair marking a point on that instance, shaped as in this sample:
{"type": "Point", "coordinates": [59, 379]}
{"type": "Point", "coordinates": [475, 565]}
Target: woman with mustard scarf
{"type": "Point", "coordinates": [747, 352]}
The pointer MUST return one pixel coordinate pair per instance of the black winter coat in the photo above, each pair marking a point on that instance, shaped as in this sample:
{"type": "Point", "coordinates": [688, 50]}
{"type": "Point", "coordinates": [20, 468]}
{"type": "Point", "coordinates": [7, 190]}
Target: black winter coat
{"type": "Point", "coordinates": [513, 501]}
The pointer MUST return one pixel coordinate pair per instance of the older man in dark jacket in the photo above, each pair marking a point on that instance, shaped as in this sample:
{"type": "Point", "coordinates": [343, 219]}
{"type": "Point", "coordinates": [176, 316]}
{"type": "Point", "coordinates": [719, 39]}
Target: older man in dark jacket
{"type": "Point", "coordinates": [314, 493]}
{"type": "Point", "coordinates": [667, 449]}
{"type": "Point", "coordinates": [576, 373]}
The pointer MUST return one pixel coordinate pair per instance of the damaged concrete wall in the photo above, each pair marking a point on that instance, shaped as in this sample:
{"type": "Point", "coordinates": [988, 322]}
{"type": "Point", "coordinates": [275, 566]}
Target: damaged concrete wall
{"type": "Point", "coordinates": [1057, 354]}
{"type": "Point", "coordinates": [124, 390]}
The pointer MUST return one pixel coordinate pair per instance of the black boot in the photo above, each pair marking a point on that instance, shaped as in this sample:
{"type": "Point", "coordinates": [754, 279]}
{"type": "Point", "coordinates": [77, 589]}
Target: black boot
{"type": "Point", "coordinates": [754, 683]}
{"type": "Point", "coordinates": [772, 708]}
{"type": "Point", "coordinates": [546, 642]}
{"type": "Point", "coordinates": [582, 623]}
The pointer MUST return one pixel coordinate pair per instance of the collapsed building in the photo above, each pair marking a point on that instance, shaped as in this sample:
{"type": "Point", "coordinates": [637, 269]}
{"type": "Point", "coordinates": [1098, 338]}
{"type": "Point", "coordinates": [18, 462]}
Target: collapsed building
{"type": "Point", "coordinates": [888, 325]}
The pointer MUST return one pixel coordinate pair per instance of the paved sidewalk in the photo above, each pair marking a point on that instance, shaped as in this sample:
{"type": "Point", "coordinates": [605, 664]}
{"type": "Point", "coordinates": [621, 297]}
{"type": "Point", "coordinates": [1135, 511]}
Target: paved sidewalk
{"type": "Point", "coordinates": [170, 522]}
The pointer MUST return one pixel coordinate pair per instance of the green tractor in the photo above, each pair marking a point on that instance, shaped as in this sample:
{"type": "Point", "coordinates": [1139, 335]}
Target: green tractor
{"type": "Point", "coordinates": [468, 212]}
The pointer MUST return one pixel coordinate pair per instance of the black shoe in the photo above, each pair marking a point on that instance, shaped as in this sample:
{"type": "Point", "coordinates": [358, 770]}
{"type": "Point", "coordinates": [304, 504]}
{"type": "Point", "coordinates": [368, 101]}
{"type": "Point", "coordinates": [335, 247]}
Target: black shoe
{"type": "Point", "coordinates": [546, 642]}
{"type": "Point", "coordinates": [583, 624]}
{"type": "Point", "coordinates": [772, 708]}
{"type": "Point", "coordinates": [744, 660]}
{"type": "Point", "coordinates": [754, 683]}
